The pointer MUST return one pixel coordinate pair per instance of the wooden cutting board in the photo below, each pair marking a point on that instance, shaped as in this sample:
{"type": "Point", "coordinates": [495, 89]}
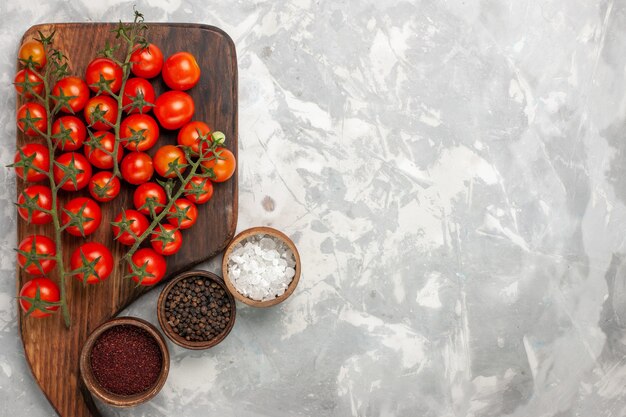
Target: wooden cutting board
{"type": "Point", "coordinates": [52, 351]}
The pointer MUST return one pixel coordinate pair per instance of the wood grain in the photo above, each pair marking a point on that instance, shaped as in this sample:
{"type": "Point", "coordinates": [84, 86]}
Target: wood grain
{"type": "Point", "coordinates": [53, 351]}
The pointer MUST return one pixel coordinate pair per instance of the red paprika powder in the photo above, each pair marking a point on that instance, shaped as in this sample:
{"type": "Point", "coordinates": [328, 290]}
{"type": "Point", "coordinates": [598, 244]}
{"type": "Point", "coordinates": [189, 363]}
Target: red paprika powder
{"type": "Point", "coordinates": [126, 360]}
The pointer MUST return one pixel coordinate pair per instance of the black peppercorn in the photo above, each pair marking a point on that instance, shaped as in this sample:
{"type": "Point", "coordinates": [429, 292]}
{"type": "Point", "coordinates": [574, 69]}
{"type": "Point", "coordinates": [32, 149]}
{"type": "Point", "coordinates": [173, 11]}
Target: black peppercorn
{"type": "Point", "coordinates": [199, 309]}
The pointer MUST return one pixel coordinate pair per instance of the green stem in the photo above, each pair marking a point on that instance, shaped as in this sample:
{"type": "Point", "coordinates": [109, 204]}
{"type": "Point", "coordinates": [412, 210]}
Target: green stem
{"type": "Point", "coordinates": [157, 220]}
{"type": "Point", "coordinates": [120, 98]}
{"type": "Point", "coordinates": [54, 212]}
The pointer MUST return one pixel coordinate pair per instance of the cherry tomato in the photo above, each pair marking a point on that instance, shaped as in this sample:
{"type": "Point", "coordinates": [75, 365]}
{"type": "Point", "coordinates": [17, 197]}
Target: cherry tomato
{"type": "Point", "coordinates": [35, 81]}
{"type": "Point", "coordinates": [107, 107]}
{"type": "Point", "coordinates": [173, 109]}
{"type": "Point", "coordinates": [72, 86]}
{"type": "Point", "coordinates": [35, 254]}
{"type": "Point", "coordinates": [74, 162]}
{"type": "Point", "coordinates": [139, 132]}
{"type": "Point", "coordinates": [34, 51]}
{"type": "Point", "coordinates": [45, 290]}
{"type": "Point", "coordinates": [37, 114]}
{"type": "Point", "coordinates": [136, 222]}
{"type": "Point", "coordinates": [85, 255]}
{"type": "Point", "coordinates": [90, 219]}
{"type": "Point", "coordinates": [166, 239]}
{"type": "Point", "coordinates": [40, 159]}
{"type": "Point", "coordinates": [183, 214]}
{"type": "Point", "coordinates": [108, 70]}
{"type": "Point", "coordinates": [199, 190]}
{"type": "Point", "coordinates": [223, 167]}
{"type": "Point", "coordinates": [149, 191]}
{"type": "Point", "coordinates": [167, 158]}
{"type": "Point", "coordinates": [189, 135]}
{"type": "Point", "coordinates": [41, 195]}
{"type": "Point", "coordinates": [181, 71]}
{"type": "Point", "coordinates": [101, 157]}
{"type": "Point", "coordinates": [104, 186]}
{"type": "Point", "coordinates": [137, 168]}
{"type": "Point", "coordinates": [153, 263]}
{"type": "Point", "coordinates": [147, 62]}
{"type": "Point", "coordinates": [134, 87]}
{"type": "Point", "coordinates": [68, 133]}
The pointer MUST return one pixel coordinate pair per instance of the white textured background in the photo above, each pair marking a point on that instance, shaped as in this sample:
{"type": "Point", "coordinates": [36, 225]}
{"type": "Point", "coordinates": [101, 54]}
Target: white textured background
{"type": "Point", "coordinates": [454, 175]}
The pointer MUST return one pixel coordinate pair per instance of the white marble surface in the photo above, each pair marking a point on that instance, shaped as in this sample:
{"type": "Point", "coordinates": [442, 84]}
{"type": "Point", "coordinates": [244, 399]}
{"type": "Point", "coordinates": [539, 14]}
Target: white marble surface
{"type": "Point", "coordinates": [454, 175]}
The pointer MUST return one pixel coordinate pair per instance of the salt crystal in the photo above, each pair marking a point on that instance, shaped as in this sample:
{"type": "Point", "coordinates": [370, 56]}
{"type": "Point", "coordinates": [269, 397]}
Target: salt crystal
{"type": "Point", "coordinates": [261, 267]}
{"type": "Point", "coordinates": [267, 243]}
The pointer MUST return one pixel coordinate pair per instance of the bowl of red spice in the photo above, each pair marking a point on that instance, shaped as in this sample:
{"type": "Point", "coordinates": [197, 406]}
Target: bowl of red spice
{"type": "Point", "coordinates": [125, 362]}
{"type": "Point", "coordinates": [196, 310]}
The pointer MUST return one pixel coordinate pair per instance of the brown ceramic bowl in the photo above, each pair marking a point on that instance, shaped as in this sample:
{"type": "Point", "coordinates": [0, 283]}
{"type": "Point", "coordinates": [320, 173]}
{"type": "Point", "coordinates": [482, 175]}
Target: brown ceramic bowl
{"type": "Point", "coordinates": [115, 399]}
{"type": "Point", "coordinates": [176, 338]}
{"type": "Point", "coordinates": [263, 231]}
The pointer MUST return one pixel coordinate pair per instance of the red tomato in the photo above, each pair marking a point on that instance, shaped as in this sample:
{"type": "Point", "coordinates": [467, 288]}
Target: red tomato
{"type": "Point", "coordinates": [35, 254]}
{"type": "Point", "coordinates": [134, 221]}
{"type": "Point", "coordinates": [183, 214]}
{"type": "Point", "coordinates": [137, 168]}
{"type": "Point", "coordinates": [173, 109]}
{"type": "Point", "coordinates": [189, 135]}
{"type": "Point", "coordinates": [34, 51]}
{"type": "Point", "coordinates": [41, 195]}
{"type": "Point", "coordinates": [72, 86]}
{"type": "Point", "coordinates": [150, 191]}
{"type": "Point", "coordinates": [107, 107]}
{"type": "Point", "coordinates": [43, 288]}
{"type": "Point", "coordinates": [199, 190]}
{"type": "Point", "coordinates": [101, 157]}
{"type": "Point", "coordinates": [147, 63]}
{"type": "Point", "coordinates": [152, 263]}
{"type": "Point", "coordinates": [68, 133]}
{"type": "Point", "coordinates": [139, 132]}
{"type": "Point", "coordinates": [40, 159]}
{"type": "Point", "coordinates": [20, 79]}
{"type": "Point", "coordinates": [89, 220]}
{"type": "Point", "coordinates": [76, 163]}
{"type": "Point", "coordinates": [96, 258]}
{"type": "Point", "coordinates": [166, 239]}
{"type": "Point", "coordinates": [181, 71]}
{"type": "Point", "coordinates": [104, 186]}
{"type": "Point", "coordinates": [134, 87]}
{"type": "Point", "coordinates": [37, 114]}
{"type": "Point", "coordinates": [223, 167]}
{"type": "Point", "coordinates": [167, 158]}
{"type": "Point", "coordinates": [108, 70]}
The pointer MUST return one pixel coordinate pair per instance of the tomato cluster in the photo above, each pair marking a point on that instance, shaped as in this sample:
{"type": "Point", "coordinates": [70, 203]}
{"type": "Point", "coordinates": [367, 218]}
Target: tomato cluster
{"type": "Point", "coordinates": [88, 116]}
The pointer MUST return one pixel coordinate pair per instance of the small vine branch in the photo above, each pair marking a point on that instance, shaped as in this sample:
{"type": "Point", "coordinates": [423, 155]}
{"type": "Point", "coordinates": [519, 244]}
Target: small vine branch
{"type": "Point", "coordinates": [47, 135]}
{"type": "Point", "coordinates": [135, 36]}
{"type": "Point", "coordinates": [206, 155]}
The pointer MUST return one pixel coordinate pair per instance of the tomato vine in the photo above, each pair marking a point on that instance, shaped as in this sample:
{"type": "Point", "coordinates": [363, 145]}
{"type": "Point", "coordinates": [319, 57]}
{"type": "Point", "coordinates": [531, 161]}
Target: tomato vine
{"type": "Point", "coordinates": [186, 169]}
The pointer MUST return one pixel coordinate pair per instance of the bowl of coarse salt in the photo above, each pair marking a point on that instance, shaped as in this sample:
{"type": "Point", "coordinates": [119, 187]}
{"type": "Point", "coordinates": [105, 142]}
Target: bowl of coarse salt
{"type": "Point", "coordinates": [261, 267]}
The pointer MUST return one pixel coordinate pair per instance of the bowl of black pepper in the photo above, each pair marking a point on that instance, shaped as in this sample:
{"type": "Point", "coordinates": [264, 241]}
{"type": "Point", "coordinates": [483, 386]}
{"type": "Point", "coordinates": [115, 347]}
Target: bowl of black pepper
{"type": "Point", "coordinates": [196, 310]}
